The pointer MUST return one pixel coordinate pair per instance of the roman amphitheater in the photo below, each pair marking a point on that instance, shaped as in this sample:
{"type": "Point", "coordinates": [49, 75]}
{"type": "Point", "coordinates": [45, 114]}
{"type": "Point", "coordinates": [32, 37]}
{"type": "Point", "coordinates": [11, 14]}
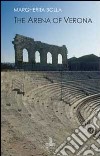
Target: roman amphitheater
{"type": "Point", "coordinates": [47, 110]}
{"type": "Point", "coordinates": [37, 106]}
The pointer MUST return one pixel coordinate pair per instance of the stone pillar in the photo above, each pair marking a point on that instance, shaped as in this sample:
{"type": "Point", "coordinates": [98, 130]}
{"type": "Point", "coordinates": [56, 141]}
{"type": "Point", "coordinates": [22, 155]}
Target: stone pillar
{"type": "Point", "coordinates": [31, 55]}
{"type": "Point", "coordinates": [64, 54]}
{"type": "Point", "coordinates": [18, 52]}
{"type": "Point", "coordinates": [64, 58]}
{"type": "Point", "coordinates": [43, 57]}
{"type": "Point", "coordinates": [18, 56]}
{"type": "Point", "coordinates": [54, 59]}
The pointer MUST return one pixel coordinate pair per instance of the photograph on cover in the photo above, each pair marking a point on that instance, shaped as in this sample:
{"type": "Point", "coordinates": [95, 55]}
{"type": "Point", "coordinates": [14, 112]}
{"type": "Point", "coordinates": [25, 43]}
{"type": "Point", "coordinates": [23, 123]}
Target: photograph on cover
{"type": "Point", "coordinates": [50, 78]}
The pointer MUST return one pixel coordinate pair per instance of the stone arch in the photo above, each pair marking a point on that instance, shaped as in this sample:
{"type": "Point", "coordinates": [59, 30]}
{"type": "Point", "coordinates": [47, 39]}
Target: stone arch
{"type": "Point", "coordinates": [59, 59]}
{"type": "Point", "coordinates": [20, 42]}
{"type": "Point", "coordinates": [49, 58]}
{"type": "Point", "coordinates": [25, 55]}
{"type": "Point", "coordinates": [37, 57]}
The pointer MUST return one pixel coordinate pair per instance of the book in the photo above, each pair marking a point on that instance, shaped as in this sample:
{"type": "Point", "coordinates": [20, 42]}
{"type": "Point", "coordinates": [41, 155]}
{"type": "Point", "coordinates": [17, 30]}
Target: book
{"type": "Point", "coordinates": [50, 78]}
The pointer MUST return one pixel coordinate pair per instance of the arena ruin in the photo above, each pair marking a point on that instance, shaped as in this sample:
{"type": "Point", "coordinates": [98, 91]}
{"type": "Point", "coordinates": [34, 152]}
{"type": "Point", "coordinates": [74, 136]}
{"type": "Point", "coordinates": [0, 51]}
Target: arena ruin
{"type": "Point", "coordinates": [21, 42]}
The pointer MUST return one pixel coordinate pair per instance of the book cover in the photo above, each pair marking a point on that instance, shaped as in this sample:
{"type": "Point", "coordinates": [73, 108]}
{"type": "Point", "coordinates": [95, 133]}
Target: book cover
{"type": "Point", "coordinates": [50, 78]}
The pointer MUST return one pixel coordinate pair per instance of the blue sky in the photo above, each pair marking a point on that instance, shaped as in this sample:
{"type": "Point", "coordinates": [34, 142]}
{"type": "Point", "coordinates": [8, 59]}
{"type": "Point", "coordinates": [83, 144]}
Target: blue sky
{"type": "Point", "coordinates": [80, 39]}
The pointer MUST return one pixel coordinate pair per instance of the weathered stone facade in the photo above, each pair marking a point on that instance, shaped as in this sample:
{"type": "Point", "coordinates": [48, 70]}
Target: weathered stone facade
{"type": "Point", "coordinates": [21, 42]}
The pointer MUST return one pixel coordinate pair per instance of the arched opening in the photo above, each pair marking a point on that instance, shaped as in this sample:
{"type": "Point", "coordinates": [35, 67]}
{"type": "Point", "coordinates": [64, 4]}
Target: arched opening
{"type": "Point", "coordinates": [49, 58]}
{"type": "Point", "coordinates": [25, 55]}
{"type": "Point", "coordinates": [37, 57]}
{"type": "Point", "coordinates": [59, 59]}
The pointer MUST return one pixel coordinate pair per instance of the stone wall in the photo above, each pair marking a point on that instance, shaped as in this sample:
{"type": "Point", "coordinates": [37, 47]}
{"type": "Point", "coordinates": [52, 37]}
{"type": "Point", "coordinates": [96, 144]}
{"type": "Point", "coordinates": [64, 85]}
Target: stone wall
{"type": "Point", "coordinates": [21, 42]}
